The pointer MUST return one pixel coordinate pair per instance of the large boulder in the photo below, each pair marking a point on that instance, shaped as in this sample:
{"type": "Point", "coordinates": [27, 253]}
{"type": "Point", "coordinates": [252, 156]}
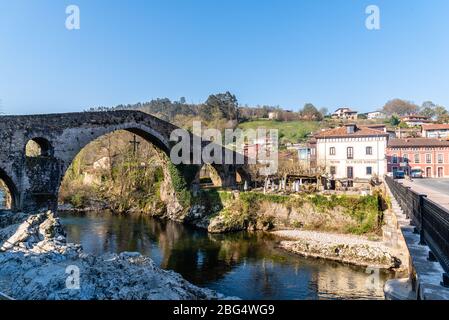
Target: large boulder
{"type": "Point", "coordinates": [36, 263]}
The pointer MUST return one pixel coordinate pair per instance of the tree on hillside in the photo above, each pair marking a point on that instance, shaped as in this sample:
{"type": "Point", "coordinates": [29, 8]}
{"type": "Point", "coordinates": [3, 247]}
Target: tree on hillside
{"type": "Point", "coordinates": [400, 107]}
{"type": "Point", "coordinates": [394, 120]}
{"type": "Point", "coordinates": [434, 111]}
{"type": "Point", "coordinates": [324, 111]}
{"type": "Point", "coordinates": [441, 114]}
{"type": "Point", "coordinates": [310, 112]}
{"type": "Point", "coordinates": [220, 106]}
{"type": "Point", "coordinates": [428, 109]}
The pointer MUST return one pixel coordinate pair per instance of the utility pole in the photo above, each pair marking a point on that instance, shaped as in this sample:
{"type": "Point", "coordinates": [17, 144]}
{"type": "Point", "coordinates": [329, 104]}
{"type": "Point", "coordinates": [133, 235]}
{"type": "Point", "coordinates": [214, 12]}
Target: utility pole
{"type": "Point", "coordinates": [135, 144]}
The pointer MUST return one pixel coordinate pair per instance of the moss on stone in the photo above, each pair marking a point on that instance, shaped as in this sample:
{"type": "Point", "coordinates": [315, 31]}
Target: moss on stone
{"type": "Point", "coordinates": [180, 185]}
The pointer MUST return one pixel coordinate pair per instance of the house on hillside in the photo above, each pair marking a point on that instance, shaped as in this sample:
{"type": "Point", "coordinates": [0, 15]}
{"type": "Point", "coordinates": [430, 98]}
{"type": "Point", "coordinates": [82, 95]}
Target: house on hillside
{"type": "Point", "coordinates": [414, 120]}
{"type": "Point", "coordinates": [274, 115]}
{"type": "Point", "coordinates": [344, 114]}
{"type": "Point", "coordinates": [376, 115]}
{"type": "Point", "coordinates": [435, 131]}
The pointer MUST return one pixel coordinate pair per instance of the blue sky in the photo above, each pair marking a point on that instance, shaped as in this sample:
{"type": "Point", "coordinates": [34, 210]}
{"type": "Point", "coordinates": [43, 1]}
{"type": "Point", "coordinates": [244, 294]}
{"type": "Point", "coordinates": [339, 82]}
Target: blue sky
{"type": "Point", "coordinates": [266, 52]}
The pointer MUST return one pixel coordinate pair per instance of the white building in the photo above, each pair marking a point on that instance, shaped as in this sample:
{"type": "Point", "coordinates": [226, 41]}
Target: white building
{"type": "Point", "coordinates": [273, 115]}
{"type": "Point", "coordinates": [352, 152]}
{"type": "Point", "coordinates": [376, 115]}
{"type": "Point", "coordinates": [344, 114]}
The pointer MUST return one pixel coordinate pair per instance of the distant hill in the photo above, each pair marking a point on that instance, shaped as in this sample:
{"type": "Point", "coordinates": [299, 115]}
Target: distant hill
{"type": "Point", "coordinates": [221, 106]}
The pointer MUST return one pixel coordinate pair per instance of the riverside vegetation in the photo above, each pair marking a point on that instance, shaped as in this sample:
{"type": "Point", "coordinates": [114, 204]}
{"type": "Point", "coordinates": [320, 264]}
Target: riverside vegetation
{"type": "Point", "coordinates": [258, 211]}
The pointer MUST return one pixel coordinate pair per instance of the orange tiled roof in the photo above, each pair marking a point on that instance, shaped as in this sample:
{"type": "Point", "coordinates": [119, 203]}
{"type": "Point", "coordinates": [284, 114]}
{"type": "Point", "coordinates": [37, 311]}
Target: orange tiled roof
{"type": "Point", "coordinates": [342, 132]}
{"type": "Point", "coordinates": [417, 142]}
{"type": "Point", "coordinates": [435, 126]}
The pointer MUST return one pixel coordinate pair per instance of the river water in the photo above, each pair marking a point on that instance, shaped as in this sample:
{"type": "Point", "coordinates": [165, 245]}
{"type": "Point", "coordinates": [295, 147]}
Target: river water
{"type": "Point", "coordinates": [2, 199]}
{"type": "Point", "coordinates": [246, 265]}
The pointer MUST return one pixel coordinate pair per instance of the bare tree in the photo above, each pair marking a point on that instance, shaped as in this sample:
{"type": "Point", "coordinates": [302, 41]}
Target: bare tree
{"type": "Point", "coordinates": [400, 107]}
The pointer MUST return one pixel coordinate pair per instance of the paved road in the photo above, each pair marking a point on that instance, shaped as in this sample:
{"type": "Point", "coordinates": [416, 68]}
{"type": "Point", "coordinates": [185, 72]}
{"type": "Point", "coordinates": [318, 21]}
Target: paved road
{"type": "Point", "coordinates": [437, 190]}
{"type": "Point", "coordinates": [437, 185]}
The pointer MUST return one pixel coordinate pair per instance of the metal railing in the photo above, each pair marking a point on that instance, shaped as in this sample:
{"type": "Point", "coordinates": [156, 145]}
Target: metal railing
{"type": "Point", "coordinates": [430, 219]}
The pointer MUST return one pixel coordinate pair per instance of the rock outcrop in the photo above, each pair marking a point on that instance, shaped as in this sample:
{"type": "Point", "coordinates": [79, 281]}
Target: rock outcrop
{"type": "Point", "coordinates": [37, 263]}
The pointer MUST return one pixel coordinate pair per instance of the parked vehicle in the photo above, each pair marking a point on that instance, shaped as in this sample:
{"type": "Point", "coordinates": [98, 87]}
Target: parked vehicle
{"type": "Point", "coordinates": [416, 173]}
{"type": "Point", "coordinates": [399, 174]}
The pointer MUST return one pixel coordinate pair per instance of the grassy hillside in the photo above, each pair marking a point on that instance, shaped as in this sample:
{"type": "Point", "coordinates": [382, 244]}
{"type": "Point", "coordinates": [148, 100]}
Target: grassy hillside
{"type": "Point", "coordinates": [289, 131]}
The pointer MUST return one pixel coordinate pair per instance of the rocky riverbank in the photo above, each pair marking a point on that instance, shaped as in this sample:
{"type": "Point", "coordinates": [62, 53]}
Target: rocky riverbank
{"type": "Point", "coordinates": [355, 250]}
{"type": "Point", "coordinates": [37, 263]}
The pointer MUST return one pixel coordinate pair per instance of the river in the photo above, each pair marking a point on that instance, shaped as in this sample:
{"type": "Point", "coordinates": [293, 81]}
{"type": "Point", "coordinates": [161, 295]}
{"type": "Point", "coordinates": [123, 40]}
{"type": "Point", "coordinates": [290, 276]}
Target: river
{"type": "Point", "coordinates": [245, 265]}
{"type": "Point", "coordinates": [2, 199]}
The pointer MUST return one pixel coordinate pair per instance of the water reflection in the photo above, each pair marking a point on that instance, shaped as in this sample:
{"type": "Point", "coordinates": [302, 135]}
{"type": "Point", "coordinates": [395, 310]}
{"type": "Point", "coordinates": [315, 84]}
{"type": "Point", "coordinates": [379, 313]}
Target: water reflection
{"type": "Point", "coordinates": [2, 199]}
{"type": "Point", "coordinates": [247, 265]}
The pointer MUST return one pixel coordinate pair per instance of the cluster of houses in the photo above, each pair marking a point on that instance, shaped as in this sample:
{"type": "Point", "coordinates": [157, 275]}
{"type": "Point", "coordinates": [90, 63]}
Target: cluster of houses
{"type": "Point", "coordinates": [348, 114]}
{"type": "Point", "coordinates": [354, 153]}
{"type": "Point", "coordinates": [412, 120]}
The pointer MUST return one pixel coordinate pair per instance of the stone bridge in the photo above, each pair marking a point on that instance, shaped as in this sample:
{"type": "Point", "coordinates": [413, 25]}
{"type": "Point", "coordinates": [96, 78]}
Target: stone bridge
{"type": "Point", "coordinates": [34, 182]}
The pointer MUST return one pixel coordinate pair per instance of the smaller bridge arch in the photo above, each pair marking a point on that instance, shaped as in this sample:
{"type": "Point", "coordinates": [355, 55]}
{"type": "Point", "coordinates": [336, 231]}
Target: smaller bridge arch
{"type": "Point", "coordinates": [38, 146]}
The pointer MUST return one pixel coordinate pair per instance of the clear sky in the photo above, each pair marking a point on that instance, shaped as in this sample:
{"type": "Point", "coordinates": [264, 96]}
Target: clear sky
{"type": "Point", "coordinates": [272, 52]}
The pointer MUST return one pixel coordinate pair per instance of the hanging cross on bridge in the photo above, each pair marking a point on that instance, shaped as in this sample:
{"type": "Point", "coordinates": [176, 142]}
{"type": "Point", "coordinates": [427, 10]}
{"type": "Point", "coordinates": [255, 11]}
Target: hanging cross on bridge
{"type": "Point", "coordinates": [135, 144]}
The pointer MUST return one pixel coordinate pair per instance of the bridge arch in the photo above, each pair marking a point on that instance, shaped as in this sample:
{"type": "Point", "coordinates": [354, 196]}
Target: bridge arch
{"type": "Point", "coordinates": [208, 176]}
{"type": "Point", "coordinates": [105, 160]}
{"type": "Point", "coordinates": [11, 189]}
{"type": "Point", "coordinates": [38, 147]}
{"type": "Point", "coordinates": [70, 146]}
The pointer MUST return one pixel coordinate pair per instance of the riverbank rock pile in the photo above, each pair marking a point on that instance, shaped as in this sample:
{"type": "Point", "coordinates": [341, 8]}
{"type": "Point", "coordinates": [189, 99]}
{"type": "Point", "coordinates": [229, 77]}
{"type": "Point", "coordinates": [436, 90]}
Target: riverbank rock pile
{"type": "Point", "coordinates": [37, 263]}
{"type": "Point", "coordinates": [344, 248]}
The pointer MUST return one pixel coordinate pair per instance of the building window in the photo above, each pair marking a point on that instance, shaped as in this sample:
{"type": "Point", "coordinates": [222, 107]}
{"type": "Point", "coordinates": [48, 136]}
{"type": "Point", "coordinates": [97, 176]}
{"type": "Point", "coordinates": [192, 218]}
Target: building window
{"type": "Point", "coordinates": [428, 158]}
{"type": "Point", "coordinates": [440, 158]}
{"type": "Point", "coordinates": [369, 171]}
{"type": "Point", "coordinates": [405, 158]}
{"type": "Point", "coordinates": [417, 158]}
{"type": "Point", "coordinates": [350, 172]}
{"type": "Point", "coordinates": [395, 158]}
{"type": "Point", "coordinates": [333, 170]}
{"type": "Point", "coordinates": [369, 151]}
{"type": "Point", "coordinates": [350, 152]}
{"type": "Point", "coordinates": [332, 151]}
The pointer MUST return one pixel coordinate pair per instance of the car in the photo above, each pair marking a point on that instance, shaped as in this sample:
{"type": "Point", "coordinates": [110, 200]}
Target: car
{"type": "Point", "coordinates": [399, 174]}
{"type": "Point", "coordinates": [416, 173]}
